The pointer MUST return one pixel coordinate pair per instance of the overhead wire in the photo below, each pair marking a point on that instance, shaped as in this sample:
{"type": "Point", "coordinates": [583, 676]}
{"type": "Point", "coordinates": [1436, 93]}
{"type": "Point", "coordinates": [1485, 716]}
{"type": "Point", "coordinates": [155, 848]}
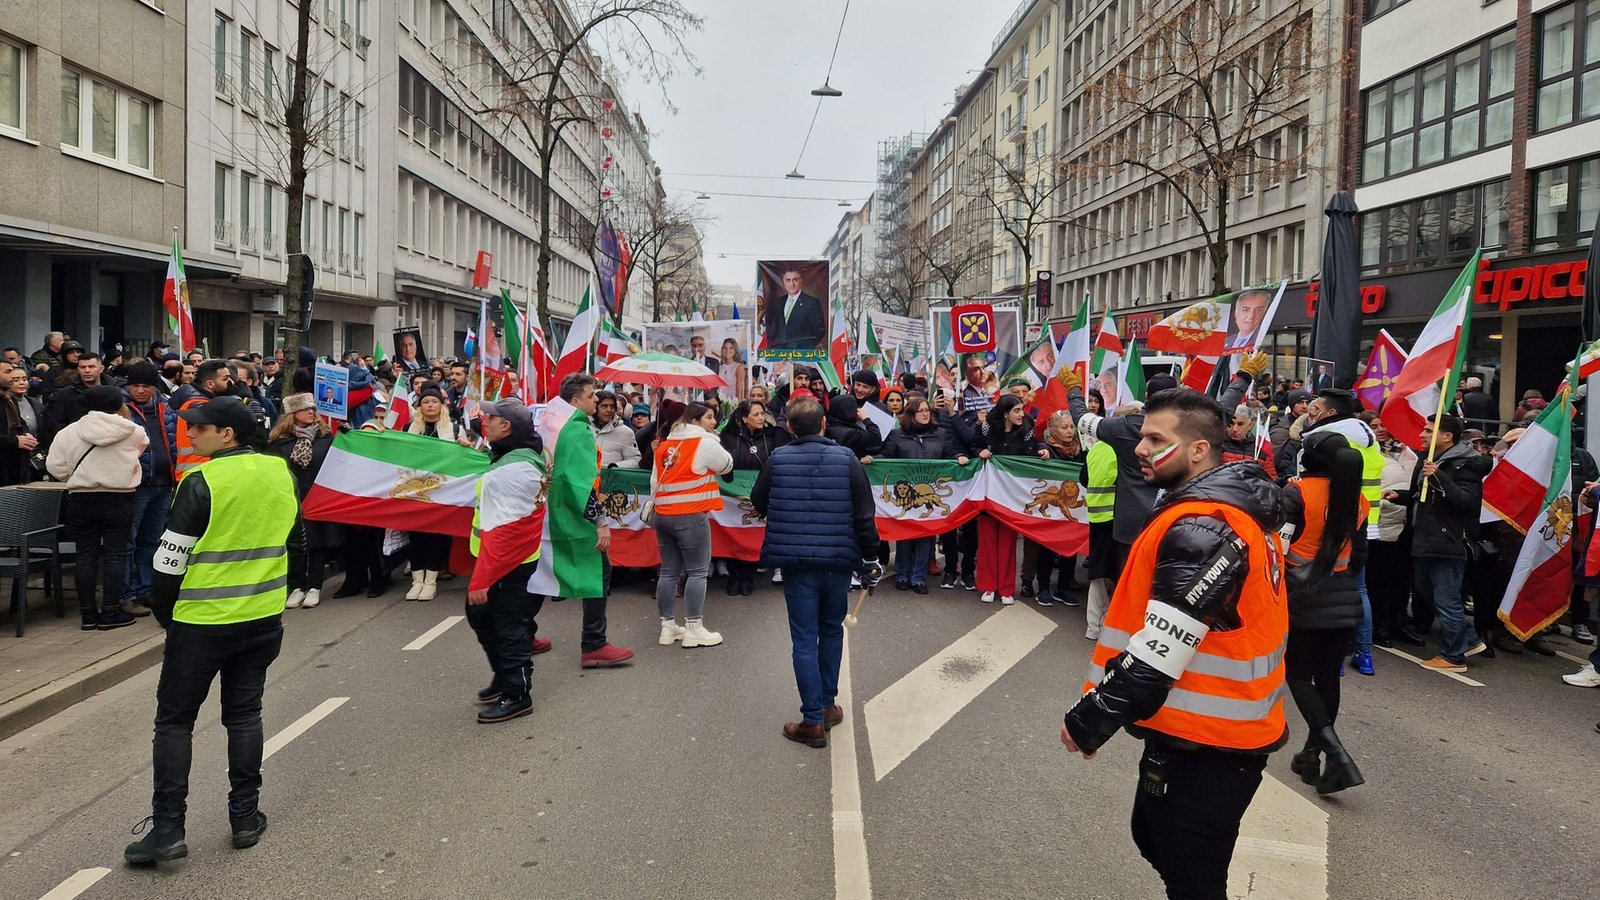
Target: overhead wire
{"type": "Point", "coordinates": [837, 38]}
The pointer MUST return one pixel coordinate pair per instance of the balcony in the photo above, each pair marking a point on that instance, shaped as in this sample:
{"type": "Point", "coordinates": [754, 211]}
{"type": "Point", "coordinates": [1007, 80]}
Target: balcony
{"type": "Point", "coordinates": [247, 237]}
{"type": "Point", "coordinates": [1016, 129]}
{"type": "Point", "coordinates": [1017, 78]}
{"type": "Point", "coordinates": [360, 267]}
{"type": "Point", "coordinates": [222, 232]}
{"type": "Point", "coordinates": [269, 243]}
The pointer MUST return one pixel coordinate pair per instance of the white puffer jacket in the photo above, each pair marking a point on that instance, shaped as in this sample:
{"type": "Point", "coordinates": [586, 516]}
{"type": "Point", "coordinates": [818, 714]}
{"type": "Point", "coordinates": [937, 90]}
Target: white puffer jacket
{"type": "Point", "coordinates": [113, 463]}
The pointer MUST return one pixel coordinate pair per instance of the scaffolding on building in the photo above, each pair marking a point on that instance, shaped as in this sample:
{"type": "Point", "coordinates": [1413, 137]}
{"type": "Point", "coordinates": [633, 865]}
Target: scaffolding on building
{"type": "Point", "coordinates": [893, 196]}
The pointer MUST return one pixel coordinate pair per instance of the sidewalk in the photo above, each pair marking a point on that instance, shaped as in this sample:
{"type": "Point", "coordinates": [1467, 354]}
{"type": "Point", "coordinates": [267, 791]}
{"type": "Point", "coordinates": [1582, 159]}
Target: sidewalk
{"type": "Point", "coordinates": [54, 664]}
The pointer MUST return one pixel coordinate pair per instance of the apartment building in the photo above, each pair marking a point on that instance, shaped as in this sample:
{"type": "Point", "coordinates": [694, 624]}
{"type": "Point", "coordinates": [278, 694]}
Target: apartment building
{"type": "Point", "coordinates": [972, 231]}
{"type": "Point", "coordinates": [852, 254]}
{"type": "Point", "coordinates": [1132, 138]}
{"type": "Point", "coordinates": [1023, 174]}
{"type": "Point", "coordinates": [92, 137]}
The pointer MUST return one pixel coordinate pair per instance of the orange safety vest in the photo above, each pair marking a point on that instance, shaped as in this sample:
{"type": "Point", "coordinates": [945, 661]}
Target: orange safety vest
{"type": "Point", "coordinates": [187, 459]}
{"type": "Point", "coordinates": [679, 489]}
{"type": "Point", "coordinates": [1314, 491]}
{"type": "Point", "coordinates": [1231, 693]}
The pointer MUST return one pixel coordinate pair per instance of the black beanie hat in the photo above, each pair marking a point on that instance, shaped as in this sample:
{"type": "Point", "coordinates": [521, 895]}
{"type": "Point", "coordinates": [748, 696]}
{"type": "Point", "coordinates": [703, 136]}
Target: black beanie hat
{"type": "Point", "coordinates": [104, 398]}
{"type": "Point", "coordinates": [144, 373]}
{"type": "Point", "coordinates": [866, 377]}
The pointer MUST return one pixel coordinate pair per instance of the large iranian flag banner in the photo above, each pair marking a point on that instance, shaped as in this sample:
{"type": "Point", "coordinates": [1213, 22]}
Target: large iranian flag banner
{"type": "Point", "coordinates": [917, 498]}
{"type": "Point", "coordinates": [736, 530]}
{"type": "Point", "coordinates": [1043, 499]}
{"type": "Point", "coordinates": [381, 478]}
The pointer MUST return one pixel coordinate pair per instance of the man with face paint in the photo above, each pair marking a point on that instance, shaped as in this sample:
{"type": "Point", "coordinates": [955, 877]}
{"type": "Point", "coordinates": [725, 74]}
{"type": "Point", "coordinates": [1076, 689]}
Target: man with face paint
{"type": "Point", "coordinates": [1190, 656]}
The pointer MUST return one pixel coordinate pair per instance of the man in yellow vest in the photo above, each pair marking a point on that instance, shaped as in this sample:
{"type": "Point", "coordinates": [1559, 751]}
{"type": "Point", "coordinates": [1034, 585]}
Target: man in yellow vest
{"type": "Point", "coordinates": [1190, 657]}
{"type": "Point", "coordinates": [1100, 488]}
{"type": "Point", "coordinates": [220, 580]}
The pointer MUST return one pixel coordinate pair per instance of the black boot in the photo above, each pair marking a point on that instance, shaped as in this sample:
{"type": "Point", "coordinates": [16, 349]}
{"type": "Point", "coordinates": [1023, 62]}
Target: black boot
{"type": "Point", "coordinates": [1339, 772]}
{"type": "Point", "coordinates": [162, 843]}
{"type": "Point", "coordinates": [506, 709]}
{"type": "Point", "coordinates": [247, 828]}
{"type": "Point", "coordinates": [1308, 762]}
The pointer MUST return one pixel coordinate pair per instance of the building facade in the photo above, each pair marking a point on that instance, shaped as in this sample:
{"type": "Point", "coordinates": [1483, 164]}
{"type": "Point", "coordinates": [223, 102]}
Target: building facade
{"type": "Point", "coordinates": [1023, 178]}
{"type": "Point", "coordinates": [92, 149]}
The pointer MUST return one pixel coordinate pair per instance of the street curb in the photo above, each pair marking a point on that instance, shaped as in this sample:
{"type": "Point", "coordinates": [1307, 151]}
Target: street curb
{"type": "Point", "coordinates": [43, 702]}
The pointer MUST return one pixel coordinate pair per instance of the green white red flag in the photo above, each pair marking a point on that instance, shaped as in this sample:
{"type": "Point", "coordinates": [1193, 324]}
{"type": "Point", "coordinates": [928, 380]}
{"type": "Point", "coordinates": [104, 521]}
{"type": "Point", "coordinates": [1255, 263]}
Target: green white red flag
{"type": "Point", "coordinates": [175, 299]}
{"type": "Point", "coordinates": [575, 350]}
{"type": "Point", "coordinates": [1540, 587]}
{"type": "Point", "coordinates": [379, 478]}
{"type": "Point", "coordinates": [1199, 329]}
{"type": "Point", "coordinates": [1434, 366]}
{"type": "Point", "coordinates": [1043, 499]}
{"type": "Point", "coordinates": [838, 348]}
{"type": "Point", "coordinates": [1107, 345]}
{"type": "Point", "coordinates": [1073, 355]}
{"type": "Point", "coordinates": [569, 564]}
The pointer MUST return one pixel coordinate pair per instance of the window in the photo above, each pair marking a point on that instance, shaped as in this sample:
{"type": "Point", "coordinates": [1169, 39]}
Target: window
{"type": "Point", "coordinates": [269, 219]}
{"type": "Point", "coordinates": [13, 88]}
{"type": "Point", "coordinates": [1569, 65]}
{"type": "Point", "coordinates": [357, 237]}
{"type": "Point", "coordinates": [1448, 108]}
{"type": "Point", "coordinates": [247, 45]}
{"type": "Point", "coordinates": [1376, 8]}
{"type": "Point", "coordinates": [269, 81]}
{"type": "Point", "coordinates": [1565, 200]}
{"type": "Point", "coordinates": [222, 229]}
{"type": "Point", "coordinates": [247, 232]}
{"type": "Point", "coordinates": [219, 44]}
{"type": "Point", "coordinates": [119, 124]}
{"type": "Point", "coordinates": [1440, 230]}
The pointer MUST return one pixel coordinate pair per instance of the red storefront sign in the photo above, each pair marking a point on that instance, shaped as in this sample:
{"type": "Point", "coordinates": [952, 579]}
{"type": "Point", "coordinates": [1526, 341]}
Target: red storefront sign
{"type": "Point", "coordinates": [1137, 325]}
{"type": "Point", "coordinates": [1373, 298]}
{"type": "Point", "coordinates": [1520, 284]}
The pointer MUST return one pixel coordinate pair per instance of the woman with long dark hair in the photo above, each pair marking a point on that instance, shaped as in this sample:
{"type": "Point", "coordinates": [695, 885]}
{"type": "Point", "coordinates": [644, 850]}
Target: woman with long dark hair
{"type": "Point", "coordinates": [920, 436]}
{"type": "Point", "coordinates": [749, 437]}
{"type": "Point", "coordinates": [1325, 508]}
{"type": "Point", "coordinates": [1007, 433]}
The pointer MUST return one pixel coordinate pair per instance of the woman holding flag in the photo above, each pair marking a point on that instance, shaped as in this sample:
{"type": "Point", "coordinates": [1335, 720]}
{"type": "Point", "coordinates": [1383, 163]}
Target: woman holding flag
{"type": "Point", "coordinates": [429, 553]}
{"type": "Point", "coordinates": [303, 440]}
{"type": "Point", "coordinates": [1006, 434]}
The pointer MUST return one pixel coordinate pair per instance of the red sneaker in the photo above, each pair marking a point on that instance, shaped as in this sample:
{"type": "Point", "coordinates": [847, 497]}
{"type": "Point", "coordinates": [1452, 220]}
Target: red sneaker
{"type": "Point", "coordinates": [541, 645]}
{"type": "Point", "coordinates": [606, 656]}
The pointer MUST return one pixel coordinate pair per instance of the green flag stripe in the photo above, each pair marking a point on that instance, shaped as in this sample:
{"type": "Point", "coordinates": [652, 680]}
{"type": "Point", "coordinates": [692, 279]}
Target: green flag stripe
{"type": "Point", "coordinates": [414, 451]}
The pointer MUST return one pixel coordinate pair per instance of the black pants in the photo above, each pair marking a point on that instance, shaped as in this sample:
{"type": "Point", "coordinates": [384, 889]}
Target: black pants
{"type": "Point", "coordinates": [1311, 666]}
{"type": "Point", "coordinates": [429, 551]}
{"type": "Point", "coordinates": [363, 556]}
{"type": "Point", "coordinates": [1486, 586]}
{"type": "Point", "coordinates": [315, 571]}
{"type": "Point", "coordinates": [1186, 815]}
{"type": "Point", "coordinates": [1388, 583]}
{"type": "Point", "coordinates": [504, 626]}
{"type": "Point", "coordinates": [960, 549]}
{"type": "Point", "coordinates": [193, 657]}
{"type": "Point", "coordinates": [101, 525]}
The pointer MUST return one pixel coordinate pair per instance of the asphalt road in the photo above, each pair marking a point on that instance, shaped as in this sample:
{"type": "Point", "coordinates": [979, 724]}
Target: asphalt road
{"type": "Point", "coordinates": [669, 778]}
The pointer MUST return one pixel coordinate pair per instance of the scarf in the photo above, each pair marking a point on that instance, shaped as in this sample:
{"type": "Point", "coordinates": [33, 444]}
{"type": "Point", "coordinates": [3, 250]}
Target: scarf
{"type": "Point", "coordinates": [301, 454]}
{"type": "Point", "coordinates": [1070, 448]}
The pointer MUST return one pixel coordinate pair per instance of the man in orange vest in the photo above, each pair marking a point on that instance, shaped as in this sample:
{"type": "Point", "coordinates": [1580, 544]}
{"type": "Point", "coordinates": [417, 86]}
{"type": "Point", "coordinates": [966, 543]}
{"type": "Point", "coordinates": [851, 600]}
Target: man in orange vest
{"type": "Point", "coordinates": [1191, 654]}
{"type": "Point", "coordinates": [211, 380]}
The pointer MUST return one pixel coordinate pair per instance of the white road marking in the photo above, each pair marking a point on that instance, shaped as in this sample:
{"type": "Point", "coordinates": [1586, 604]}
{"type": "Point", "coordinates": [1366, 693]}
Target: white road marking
{"type": "Point", "coordinates": [428, 636]}
{"type": "Point", "coordinates": [302, 725]}
{"type": "Point", "coordinates": [1456, 675]}
{"type": "Point", "coordinates": [851, 879]}
{"type": "Point", "coordinates": [81, 881]}
{"type": "Point", "coordinates": [1580, 660]}
{"type": "Point", "coordinates": [1283, 847]}
{"type": "Point", "coordinates": [908, 712]}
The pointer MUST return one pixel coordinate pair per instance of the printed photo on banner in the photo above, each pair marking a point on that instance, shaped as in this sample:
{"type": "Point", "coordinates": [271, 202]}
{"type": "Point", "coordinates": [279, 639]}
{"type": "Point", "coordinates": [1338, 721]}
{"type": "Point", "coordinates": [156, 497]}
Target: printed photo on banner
{"type": "Point", "coordinates": [1248, 314]}
{"type": "Point", "coordinates": [962, 375]}
{"type": "Point", "coordinates": [1319, 375]}
{"type": "Point", "coordinates": [723, 347]}
{"type": "Point", "coordinates": [332, 391]}
{"type": "Point", "coordinates": [408, 352]}
{"type": "Point", "coordinates": [794, 313]}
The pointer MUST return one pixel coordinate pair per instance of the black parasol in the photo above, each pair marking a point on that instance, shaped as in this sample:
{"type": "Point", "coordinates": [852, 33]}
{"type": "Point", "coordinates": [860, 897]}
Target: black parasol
{"type": "Point", "coordinates": [1336, 331]}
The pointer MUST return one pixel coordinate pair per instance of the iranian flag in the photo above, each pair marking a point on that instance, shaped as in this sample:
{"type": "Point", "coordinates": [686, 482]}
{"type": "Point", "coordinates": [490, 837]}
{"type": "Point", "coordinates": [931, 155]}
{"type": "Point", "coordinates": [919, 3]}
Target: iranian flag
{"type": "Point", "coordinates": [1074, 355]}
{"type": "Point", "coordinates": [736, 530]}
{"type": "Point", "coordinates": [175, 299]}
{"type": "Point", "coordinates": [1107, 346]}
{"type": "Point", "coordinates": [1517, 489]}
{"type": "Point", "coordinates": [538, 377]}
{"type": "Point", "coordinates": [1588, 361]}
{"type": "Point", "coordinates": [569, 563]}
{"type": "Point", "coordinates": [1541, 580]}
{"type": "Point", "coordinates": [511, 516]}
{"type": "Point", "coordinates": [1041, 498]}
{"type": "Point", "coordinates": [378, 478]}
{"type": "Point", "coordinates": [1199, 329]}
{"type": "Point", "coordinates": [838, 349]}
{"type": "Point", "coordinates": [922, 498]}
{"type": "Point", "coordinates": [1130, 375]}
{"type": "Point", "coordinates": [867, 345]}
{"type": "Point", "coordinates": [613, 343]}
{"type": "Point", "coordinates": [575, 350]}
{"type": "Point", "coordinates": [1198, 372]}
{"type": "Point", "coordinates": [1417, 396]}
{"type": "Point", "coordinates": [516, 343]}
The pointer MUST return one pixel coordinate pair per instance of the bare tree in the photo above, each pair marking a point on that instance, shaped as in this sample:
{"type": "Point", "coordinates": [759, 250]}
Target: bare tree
{"type": "Point", "coordinates": [1022, 194]}
{"type": "Point", "coordinates": [663, 237]}
{"type": "Point", "coordinates": [547, 86]}
{"type": "Point", "coordinates": [896, 277]}
{"type": "Point", "coordinates": [672, 264]}
{"type": "Point", "coordinates": [956, 252]}
{"type": "Point", "coordinates": [1204, 102]}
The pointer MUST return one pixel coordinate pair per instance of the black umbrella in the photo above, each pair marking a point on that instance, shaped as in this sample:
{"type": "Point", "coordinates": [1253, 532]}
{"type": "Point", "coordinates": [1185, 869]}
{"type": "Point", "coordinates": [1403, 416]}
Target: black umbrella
{"type": "Point", "coordinates": [1590, 323]}
{"type": "Point", "coordinates": [1336, 331]}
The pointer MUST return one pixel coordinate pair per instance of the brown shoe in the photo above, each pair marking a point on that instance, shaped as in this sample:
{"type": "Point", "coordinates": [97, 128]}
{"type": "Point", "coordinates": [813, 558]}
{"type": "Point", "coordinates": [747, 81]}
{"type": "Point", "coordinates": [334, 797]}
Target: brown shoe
{"type": "Point", "coordinates": [135, 608]}
{"type": "Point", "coordinates": [812, 734]}
{"type": "Point", "coordinates": [1440, 664]}
{"type": "Point", "coordinates": [832, 716]}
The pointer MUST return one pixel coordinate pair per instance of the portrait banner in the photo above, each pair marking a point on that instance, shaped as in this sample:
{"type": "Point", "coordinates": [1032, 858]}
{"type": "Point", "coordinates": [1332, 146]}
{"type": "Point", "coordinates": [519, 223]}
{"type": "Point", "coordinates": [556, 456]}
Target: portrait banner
{"type": "Point", "coordinates": [332, 391]}
{"type": "Point", "coordinates": [408, 352]}
{"type": "Point", "coordinates": [723, 347]}
{"type": "Point", "coordinates": [794, 310]}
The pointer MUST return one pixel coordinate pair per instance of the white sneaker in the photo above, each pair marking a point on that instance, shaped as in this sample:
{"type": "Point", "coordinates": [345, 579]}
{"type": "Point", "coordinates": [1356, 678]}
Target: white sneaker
{"type": "Point", "coordinates": [1092, 634]}
{"type": "Point", "coordinates": [1007, 600]}
{"type": "Point", "coordinates": [696, 635]}
{"type": "Point", "coordinates": [987, 596]}
{"type": "Point", "coordinates": [296, 597]}
{"type": "Point", "coordinates": [671, 631]}
{"type": "Point", "coordinates": [1584, 677]}
{"type": "Point", "coordinates": [313, 597]}
{"type": "Point", "coordinates": [777, 576]}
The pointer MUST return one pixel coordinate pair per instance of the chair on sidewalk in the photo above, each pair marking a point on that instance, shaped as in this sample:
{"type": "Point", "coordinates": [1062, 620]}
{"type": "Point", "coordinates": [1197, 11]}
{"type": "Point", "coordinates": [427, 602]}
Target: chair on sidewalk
{"type": "Point", "coordinates": [29, 520]}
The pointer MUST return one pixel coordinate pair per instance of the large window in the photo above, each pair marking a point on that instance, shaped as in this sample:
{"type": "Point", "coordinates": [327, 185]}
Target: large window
{"type": "Point", "coordinates": [1569, 65]}
{"type": "Point", "coordinates": [13, 91]}
{"type": "Point", "coordinates": [1434, 231]}
{"type": "Point", "coordinates": [106, 120]}
{"type": "Point", "coordinates": [1376, 8]}
{"type": "Point", "coordinates": [1451, 107]}
{"type": "Point", "coordinates": [1565, 201]}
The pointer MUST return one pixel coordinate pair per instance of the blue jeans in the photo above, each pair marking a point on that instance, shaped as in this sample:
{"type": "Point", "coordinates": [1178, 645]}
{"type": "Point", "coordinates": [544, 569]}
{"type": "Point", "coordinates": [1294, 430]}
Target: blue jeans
{"type": "Point", "coordinates": [685, 544]}
{"type": "Point", "coordinates": [1441, 580]}
{"type": "Point", "coordinates": [1364, 630]}
{"type": "Point", "coordinates": [817, 601]}
{"type": "Point", "coordinates": [911, 560]}
{"type": "Point", "coordinates": [150, 505]}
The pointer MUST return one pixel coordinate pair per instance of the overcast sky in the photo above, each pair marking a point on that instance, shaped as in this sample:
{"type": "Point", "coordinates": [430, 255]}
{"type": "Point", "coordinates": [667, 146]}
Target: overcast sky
{"type": "Point", "coordinates": [899, 64]}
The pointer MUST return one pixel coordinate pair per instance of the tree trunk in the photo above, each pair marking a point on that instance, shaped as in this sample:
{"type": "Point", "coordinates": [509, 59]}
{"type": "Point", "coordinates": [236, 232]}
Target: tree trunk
{"type": "Point", "coordinates": [1219, 245]}
{"type": "Point", "coordinates": [547, 152]}
{"type": "Point", "coordinates": [295, 193]}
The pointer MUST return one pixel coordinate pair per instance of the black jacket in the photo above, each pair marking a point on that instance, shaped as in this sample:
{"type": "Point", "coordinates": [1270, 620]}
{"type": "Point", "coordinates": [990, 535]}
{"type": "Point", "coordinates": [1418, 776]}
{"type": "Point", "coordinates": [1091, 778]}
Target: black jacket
{"type": "Point", "coordinates": [1016, 442]}
{"type": "Point", "coordinates": [844, 429]}
{"type": "Point", "coordinates": [1442, 523]}
{"type": "Point", "coordinates": [805, 329]}
{"type": "Point", "coordinates": [1480, 410]}
{"type": "Point", "coordinates": [306, 477]}
{"type": "Point", "coordinates": [751, 449]}
{"type": "Point", "coordinates": [934, 441]}
{"type": "Point", "coordinates": [1335, 601]}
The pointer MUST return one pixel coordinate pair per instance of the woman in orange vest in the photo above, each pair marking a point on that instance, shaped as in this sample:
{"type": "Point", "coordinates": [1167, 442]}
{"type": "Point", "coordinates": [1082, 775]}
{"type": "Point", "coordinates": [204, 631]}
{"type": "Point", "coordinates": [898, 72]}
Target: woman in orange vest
{"type": "Point", "coordinates": [1327, 515]}
{"type": "Point", "coordinates": [685, 490]}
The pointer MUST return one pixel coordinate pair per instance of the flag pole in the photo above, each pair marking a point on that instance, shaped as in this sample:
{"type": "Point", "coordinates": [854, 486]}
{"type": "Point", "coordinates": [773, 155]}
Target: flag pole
{"type": "Point", "coordinates": [1433, 442]}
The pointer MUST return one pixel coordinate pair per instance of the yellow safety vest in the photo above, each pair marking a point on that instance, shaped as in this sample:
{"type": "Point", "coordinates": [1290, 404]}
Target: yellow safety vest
{"type": "Point", "coordinates": [238, 570]}
{"type": "Point", "coordinates": [1101, 485]}
{"type": "Point", "coordinates": [524, 454]}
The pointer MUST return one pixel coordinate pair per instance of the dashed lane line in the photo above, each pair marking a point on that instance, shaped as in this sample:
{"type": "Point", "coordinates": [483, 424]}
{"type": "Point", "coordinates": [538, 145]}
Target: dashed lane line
{"type": "Point", "coordinates": [80, 881]}
{"type": "Point", "coordinates": [1456, 675]}
{"type": "Point", "coordinates": [302, 725]}
{"type": "Point", "coordinates": [428, 636]}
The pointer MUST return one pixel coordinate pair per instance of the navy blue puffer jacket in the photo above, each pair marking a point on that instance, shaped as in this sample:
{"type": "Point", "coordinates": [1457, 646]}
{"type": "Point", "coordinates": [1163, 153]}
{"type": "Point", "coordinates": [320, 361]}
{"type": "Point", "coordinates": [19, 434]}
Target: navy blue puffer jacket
{"type": "Point", "coordinates": [818, 506]}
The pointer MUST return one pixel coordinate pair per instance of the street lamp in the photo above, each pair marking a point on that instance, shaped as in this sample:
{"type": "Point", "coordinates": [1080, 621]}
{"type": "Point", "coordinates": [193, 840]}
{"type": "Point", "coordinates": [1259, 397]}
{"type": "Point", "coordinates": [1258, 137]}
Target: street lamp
{"type": "Point", "coordinates": [702, 196]}
{"type": "Point", "coordinates": [827, 90]}
{"type": "Point", "coordinates": [795, 173]}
